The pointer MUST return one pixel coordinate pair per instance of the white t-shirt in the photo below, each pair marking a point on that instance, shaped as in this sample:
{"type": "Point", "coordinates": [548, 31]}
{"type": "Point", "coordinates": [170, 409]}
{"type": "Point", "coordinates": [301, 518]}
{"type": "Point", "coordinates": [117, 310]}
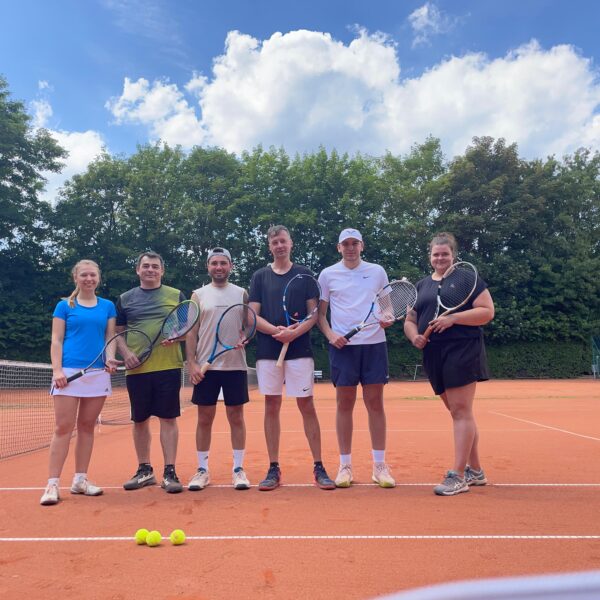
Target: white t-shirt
{"type": "Point", "coordinates": [213, 302]}
{"type": "Point", "coordinates": [350, 293]}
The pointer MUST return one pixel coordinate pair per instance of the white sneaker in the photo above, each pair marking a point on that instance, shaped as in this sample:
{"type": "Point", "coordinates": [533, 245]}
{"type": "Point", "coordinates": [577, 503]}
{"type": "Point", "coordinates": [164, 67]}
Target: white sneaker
{"type": "Point", "coordinates": [240, 481]}
{"type": "Point", "coordinates": [199, 481]}
{"type": "Point", "coordinates": [50, 495]}
{"type": "Point", "coordinates": [382, 476]}
{"type": "Point", "coordinates": [83, 486]}
{"type": "Point", "coordinates": [344, 476]}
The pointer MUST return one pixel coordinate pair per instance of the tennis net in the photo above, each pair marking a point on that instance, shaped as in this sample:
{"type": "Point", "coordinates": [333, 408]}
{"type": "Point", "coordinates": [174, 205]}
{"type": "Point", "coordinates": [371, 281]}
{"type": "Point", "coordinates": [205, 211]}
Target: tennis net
{"type": "Point", "coordinates": [27, 409]}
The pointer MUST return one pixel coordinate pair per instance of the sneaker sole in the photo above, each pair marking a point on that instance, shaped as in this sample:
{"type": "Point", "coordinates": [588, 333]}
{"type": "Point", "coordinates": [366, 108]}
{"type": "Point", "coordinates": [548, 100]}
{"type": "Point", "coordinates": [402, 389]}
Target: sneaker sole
{"type": "Point", "coordinates": [50, 502]}
{"type": "Point", "coordinates": [172, 490]}
{"type": "Point", "coordinates": [383, 484]}
{"type": "Point", "coordinates": [84, 494]}
{"type": "Point", "coordinates": [241, 487]}
{"type": "Point", "coordinates": [196, 488]}
{"type": "Point", "coordinates": [325, 486]}
{"type": "Point", "coordinates": [139, 486]}
{"type": "Point", "coordinates": [268, 488]}
{"type": "Point", "coordinates": [477, 482]}
{"type": "Point", "coordinates": [451, 493]}
{"type": "Point", "coordinates": [343, 484]}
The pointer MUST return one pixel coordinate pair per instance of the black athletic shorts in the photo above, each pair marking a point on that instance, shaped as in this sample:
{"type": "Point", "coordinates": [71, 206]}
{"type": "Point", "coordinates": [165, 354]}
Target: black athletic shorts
{"type": "Point", "coordinates": [455, 363]}
{"type": "Point", "coordinates": [364, 363]}
{"type": "Point", "coordinates": [154, 394]}
{"type": "Point", "coordinates": [233, 383]}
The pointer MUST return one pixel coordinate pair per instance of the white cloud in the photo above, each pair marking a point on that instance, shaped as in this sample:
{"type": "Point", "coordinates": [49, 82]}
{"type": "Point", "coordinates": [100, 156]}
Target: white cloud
{"type": "Point", "coordinates": [83, 147]}
{"type": "Point", "coordinates": [303, 89]}
{"type": "Point", "coordinates": [427, 21]}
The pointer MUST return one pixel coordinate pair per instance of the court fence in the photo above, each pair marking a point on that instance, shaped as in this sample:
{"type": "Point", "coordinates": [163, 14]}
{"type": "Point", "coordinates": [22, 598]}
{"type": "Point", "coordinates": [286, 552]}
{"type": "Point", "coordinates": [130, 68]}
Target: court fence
{"type": "Point", "coordinates": [596, 357]}
{"type": "Point", "coordinates": [27, 409]}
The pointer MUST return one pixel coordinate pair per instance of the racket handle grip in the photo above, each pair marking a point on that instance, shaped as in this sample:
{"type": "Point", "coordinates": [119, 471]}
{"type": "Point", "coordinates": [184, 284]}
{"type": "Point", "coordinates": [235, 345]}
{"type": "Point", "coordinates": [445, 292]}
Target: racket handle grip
{"type": "Point", "coordinates": [282, 354]}
{"type": "Point", "coordinates": [428, 332]}
{"type": "Point", "coordinates": [75, 376]}
{"type": "Point", "coordinates": [352, 333]}
{"type": "Point", "coordinates": [205, 367]}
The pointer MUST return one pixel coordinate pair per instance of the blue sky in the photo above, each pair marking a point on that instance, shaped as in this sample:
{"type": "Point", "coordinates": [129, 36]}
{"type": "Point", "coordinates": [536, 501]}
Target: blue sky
{"type": "Point", "coordinates": [356, 76]}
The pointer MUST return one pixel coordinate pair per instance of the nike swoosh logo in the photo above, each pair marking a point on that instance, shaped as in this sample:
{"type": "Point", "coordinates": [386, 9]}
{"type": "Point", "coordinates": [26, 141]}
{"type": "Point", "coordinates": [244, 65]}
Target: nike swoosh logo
{"type": "Point", "coordinates": [305, 389]}
{"type": "Point", "coordinates": [366, 276]}
{"type": "Point", "coordinates": [145, 477]}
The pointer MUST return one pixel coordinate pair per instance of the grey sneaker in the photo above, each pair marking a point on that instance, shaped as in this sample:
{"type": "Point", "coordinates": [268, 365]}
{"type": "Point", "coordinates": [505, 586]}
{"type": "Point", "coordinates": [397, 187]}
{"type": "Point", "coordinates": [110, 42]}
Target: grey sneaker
{"type": "Point", "coordinates": [170, 482]}
{"type": "Point", "coordinates": [453, 484]}
{"type": "Point", "coordinates": [199, 481]}
{"type": "Point", "coordinates": [50, 495]}
{"type": "Point", "coordinates": [473, 477]}
{"type": "Point", "coordinates": [143, 476]}
{"type": "Point", "coordinates": [272, 480]}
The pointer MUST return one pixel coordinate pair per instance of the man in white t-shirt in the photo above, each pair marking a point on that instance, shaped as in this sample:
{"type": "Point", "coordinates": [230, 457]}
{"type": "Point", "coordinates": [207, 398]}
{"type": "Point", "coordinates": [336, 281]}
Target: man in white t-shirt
{"type": "Point", "coordinates": [348, 288]}
{"type": "Point", "coordinates": [228, 372]}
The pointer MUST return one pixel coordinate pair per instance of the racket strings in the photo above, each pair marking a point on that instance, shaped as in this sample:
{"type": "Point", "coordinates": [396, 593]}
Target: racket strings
{"type": "Point", "coordinates": [457, 286]}
{"type": "Point", "coordinates": [181, 320]}
{"type": "Point", "coordinates": [301, 289]}
{"type": "Point", "coordinates": [396, 301]}
{"type": "Point", "coordinates": [126, 344]}
{"type": "Point", "coordinates": [237, 325]}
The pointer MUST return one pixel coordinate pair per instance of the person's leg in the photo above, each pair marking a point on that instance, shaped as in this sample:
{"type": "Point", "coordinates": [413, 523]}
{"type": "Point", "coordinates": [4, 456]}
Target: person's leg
{"type": "Point", "coordinates": [206, 417]}
{"type": "Point", "coordinates": [87, 417]}
{"type": "Point", "coordinates": [312, 429]}
{"type": "Point", "coordinates": [373, 398]}
{"type": "Point", "coordinates": [272, 426]}
{"type": "Point", "coordinates": [65, 415]}
{"type": "Point", "coordinates": [235, 416]}
{"type": "Point", "coordinates": [460, 404]}
{"type": "Point", "coordinates": [344, 422]}
{"type": "Point", "coordinates": [142, 438]}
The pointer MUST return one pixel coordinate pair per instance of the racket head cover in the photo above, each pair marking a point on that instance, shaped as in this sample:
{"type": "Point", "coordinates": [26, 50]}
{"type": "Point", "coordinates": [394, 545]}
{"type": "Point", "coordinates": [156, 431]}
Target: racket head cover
{"type": "Point", "coordinates": [180, 320]}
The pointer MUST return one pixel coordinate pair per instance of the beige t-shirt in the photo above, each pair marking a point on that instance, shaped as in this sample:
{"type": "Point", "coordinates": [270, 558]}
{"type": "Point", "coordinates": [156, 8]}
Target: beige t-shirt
{"type": "Point", "coordinates": [213, 302]}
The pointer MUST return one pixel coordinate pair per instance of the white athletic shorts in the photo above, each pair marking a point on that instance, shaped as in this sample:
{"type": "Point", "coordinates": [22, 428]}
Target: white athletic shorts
{"type": "Point", "coordinates": [92, 385]}
{"type": "Point", "coordinates": [297, 374]}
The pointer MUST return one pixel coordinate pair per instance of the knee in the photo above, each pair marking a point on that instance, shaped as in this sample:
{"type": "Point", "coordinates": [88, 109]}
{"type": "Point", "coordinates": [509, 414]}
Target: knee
{"type": "Point", "coordinates": [86, 426]}
{"type": "Point", "coordinates": [64, 428]}
{"type": "Point", "coordinates": [235, 418]}
{"type": "Point", "coordinates": [306, 406]}
{"type": "Point", "coordinates": [272, 407]}
{"type": "Point", "coordinates": [460, 412]}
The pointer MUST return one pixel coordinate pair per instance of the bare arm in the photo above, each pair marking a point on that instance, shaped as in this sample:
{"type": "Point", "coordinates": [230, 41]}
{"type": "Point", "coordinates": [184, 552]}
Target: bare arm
{"type": "Point", "coordinates": [262, 324]}
{"type": "Point", "coordinates": [411, 331]}
{"type": "Point", "coordinates": [335, 339]}
{"type": "Point", "coordinates": [191, 343]}
{"type": "Point", "coordinates": [56, 347]}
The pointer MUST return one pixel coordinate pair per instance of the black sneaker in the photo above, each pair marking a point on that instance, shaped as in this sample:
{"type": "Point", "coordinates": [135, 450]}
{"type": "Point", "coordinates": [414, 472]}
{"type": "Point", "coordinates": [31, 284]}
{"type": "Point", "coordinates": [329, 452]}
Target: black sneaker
{"type": "Point", "coordinates": [272, 480]}
{"type": "Point", "coordinates": [322, 480]}
{"type": "Point", "coordinates": [170, 482]}
{"type": "Point", "coordinates": [143, 476]}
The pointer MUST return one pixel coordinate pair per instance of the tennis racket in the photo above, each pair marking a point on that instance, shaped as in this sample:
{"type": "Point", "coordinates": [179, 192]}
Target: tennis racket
{"type": "Point", "coordinates": [235, 327]}
{"type": "Point", "coordinates": [299, 289]}
{"type": "Point", "coordinates": [456, 287]}
{"type": "Point", "coordinates": [178, 322]}
{"type": "Point", "coordinates": [123, 348]}
{"type": "Point", "coordinates": [391, 303]}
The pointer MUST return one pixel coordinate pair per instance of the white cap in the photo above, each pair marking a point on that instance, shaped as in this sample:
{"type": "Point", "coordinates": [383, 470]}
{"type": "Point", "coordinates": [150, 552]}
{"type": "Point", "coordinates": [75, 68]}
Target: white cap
{"type": "Point", "coordinates": [350, 233]}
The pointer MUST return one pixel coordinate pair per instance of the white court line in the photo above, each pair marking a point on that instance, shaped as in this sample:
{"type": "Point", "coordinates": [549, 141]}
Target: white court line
{"type": "Point", "coordinates": [312, 485]}
{"type": "Point", "coordinates": [587, 437]}
{"type": "Point", "coordinates": [216, 538]}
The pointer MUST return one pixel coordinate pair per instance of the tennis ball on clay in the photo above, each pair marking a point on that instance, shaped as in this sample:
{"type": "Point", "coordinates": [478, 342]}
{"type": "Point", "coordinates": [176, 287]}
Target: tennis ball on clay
{"type": "Point", "coordinates": [153, 538]}
{"type": "Point", "coordinates": [177, 537]}
{"type": "Point", "coordinates": [140, 536]}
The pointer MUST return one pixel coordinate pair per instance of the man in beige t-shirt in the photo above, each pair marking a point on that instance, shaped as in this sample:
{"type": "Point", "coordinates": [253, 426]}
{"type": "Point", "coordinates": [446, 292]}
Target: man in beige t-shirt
{"type": "Point", "coordinates": [228, 372]}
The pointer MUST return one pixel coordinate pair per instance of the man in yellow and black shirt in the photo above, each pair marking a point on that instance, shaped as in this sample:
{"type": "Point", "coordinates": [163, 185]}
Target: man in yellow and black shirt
{"type": "Point", "coordinates": [154, 386]}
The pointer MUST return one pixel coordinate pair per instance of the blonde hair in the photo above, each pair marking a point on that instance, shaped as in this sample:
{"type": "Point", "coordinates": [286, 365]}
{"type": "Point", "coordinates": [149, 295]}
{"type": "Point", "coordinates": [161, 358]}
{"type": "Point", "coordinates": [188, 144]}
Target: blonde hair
{"type": "Point", "coordinates": [444, 239]}
{"type": "Point", "coordinates": [74, 271]}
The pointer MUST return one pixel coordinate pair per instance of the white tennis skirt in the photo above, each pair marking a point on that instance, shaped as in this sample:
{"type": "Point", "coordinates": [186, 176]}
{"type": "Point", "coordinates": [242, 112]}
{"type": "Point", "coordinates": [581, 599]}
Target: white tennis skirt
{"type": "Point", "coordinates": [90, 385]}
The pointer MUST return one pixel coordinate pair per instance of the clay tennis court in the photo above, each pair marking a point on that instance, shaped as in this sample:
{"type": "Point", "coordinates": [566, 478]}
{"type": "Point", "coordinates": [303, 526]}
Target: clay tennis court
{"type": "Point", "coordinates": [540, 445]}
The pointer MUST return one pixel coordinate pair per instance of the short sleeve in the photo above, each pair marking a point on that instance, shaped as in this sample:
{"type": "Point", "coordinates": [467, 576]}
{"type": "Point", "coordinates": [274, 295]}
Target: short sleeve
{"type": "Point", "coordinates": [324, 283]}
{"type": "Point", "coordinates": [60, 312]}
{"type": "Point", "coordinates": [255, 289]}
{"type": "Point", "coordinates": [120, 313]}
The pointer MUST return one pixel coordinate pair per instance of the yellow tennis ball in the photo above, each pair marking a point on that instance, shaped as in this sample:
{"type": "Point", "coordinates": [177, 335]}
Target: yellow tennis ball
{"type": "Point", "coordinates": [177, 537]}
{"type": "Point", "coordinates": [140, 536]}
{"type": "Point", "coordinates": [153, 538]}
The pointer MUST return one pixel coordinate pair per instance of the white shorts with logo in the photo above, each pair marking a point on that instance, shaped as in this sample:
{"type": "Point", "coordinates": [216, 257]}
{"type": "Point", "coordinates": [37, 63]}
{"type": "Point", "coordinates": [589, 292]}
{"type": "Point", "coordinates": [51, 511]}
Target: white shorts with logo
{"type": "Point", "coordinates": [91, 385]}
{"type": "Point", "coordinates": [297, 375]}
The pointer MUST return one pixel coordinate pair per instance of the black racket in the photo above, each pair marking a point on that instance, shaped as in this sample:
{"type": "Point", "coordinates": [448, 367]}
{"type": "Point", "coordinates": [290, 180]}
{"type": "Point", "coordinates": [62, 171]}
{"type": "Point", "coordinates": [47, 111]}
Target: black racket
{"type": "Point", "coordinates": [391, 303]}
{"type": "Point", "coordinates": [456, 287]}
{"type": "Point", "coordinates": [299, 290]}
{"type": "Point", "coordinates": [125, 348]}
{"type": "Point", "coordinates": [235, 327]}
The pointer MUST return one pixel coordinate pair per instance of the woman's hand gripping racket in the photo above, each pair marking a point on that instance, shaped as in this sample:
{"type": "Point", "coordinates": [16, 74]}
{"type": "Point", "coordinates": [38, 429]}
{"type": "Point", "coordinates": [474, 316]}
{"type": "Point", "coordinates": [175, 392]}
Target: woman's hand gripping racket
{"type": "Point", "coordinates": [131, 346]}
{"type": "Point", "coordinates": [235, 328]}
{"type": "Point", "coordinates": [456, 287]}
{"type": "Point", "coordinates": [300, 302]}
{"type": "Point", "coordinates": [391, 303]}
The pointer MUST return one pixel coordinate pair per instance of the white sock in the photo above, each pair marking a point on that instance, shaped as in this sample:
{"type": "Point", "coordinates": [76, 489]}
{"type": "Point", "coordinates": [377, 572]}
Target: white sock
{"type": "Point", "coordinates": [79, 477]}
{"type": "Point", "coordinates": [53, 481]}
{"type": "Point", "coordinates": [203, 459]}
{"type": "Point", "coordinates": [378, 456]}
{"type": "Point", "coordinates": [345, 459]}
{"type": "Point", "coordinates": [238, 458]}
